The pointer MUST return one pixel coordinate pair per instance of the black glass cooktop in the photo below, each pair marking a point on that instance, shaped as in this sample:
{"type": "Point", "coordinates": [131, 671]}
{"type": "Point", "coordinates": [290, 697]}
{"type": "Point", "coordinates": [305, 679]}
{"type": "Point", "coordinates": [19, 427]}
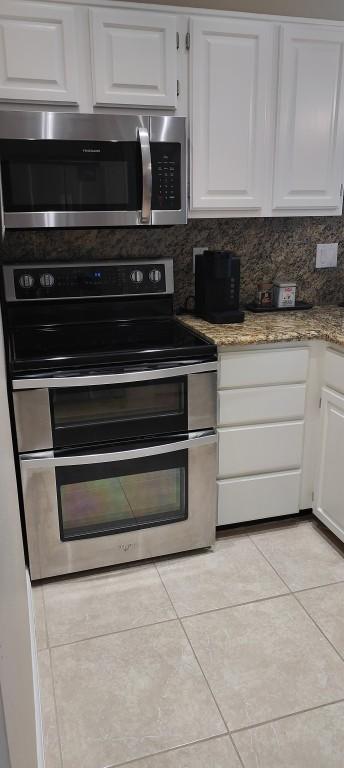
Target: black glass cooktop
{"type": "Point", "coordinates": [90, 344]}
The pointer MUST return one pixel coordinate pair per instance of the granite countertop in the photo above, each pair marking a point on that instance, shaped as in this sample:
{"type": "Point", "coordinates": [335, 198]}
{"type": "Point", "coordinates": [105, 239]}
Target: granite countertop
{"type": "Point", "coordinates": [324, 323]}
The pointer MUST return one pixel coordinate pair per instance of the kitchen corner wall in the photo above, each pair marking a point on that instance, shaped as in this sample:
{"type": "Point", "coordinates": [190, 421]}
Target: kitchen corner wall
{"type": "Point", "coordinates": [281, 247]}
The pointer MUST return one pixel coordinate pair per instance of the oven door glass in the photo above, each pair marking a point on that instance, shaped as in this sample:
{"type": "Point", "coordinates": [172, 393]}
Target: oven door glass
{"type": "Point", "coordinates": [100, 414]}
{"type": "Point", "coordinates": [114, 497]}
{"type": "Point", "coordinates": [71, 176]}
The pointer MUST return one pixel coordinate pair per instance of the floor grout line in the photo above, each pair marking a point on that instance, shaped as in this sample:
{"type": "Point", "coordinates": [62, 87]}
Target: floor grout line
{"type": "Point", "coordinates": [285, 717]}
{"type": "Point", "coordinates": [318, 627]}
{"type": "Point", "coordinates": [295, 595]}
{"type": "Point", "coordinates": [171, 749]}
{"type": "Point", "coordinates": [113, 632]}
{"type": "Point", "coordinates": [52, 683]}
{"type": "Point", "coordinates": [318, 586]}
{"type": "Point", "coordinates": [271, 566]}
{"type": "Point", "coordinates": [203, 674]}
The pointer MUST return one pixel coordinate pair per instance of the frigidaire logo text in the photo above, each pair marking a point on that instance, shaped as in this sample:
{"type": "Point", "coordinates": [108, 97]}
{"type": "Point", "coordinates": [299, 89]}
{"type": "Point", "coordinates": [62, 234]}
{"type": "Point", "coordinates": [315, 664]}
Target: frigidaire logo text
{"type": "Point", "coordinates": [91, 150]}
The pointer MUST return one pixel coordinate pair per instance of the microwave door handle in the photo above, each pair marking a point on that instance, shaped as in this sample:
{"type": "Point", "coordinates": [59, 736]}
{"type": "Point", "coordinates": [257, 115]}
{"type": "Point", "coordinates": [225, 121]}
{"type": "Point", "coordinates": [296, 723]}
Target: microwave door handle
{"type": "Point", "coordinates": [146, 160]}
{"type": "Point", "coordinates": [41, 460]}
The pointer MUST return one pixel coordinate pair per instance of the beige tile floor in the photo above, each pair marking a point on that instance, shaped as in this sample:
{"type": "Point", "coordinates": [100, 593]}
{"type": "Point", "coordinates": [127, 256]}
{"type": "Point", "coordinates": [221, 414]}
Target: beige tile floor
{"type": "Point", "coordinates": [227, 658]}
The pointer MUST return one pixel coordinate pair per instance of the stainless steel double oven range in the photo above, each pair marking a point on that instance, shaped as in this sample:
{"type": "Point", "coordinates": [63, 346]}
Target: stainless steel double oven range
{"type": "Point", "coordinates": [115, 407]}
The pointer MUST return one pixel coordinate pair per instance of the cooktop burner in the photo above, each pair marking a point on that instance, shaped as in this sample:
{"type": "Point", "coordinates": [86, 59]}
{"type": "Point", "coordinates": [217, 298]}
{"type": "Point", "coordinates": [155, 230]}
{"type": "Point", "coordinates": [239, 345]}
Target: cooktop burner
{"type": "Point", "coordinates": [48, 329]}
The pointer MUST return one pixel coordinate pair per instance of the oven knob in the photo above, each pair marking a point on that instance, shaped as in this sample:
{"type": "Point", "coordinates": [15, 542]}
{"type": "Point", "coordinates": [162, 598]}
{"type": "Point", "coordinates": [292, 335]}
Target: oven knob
{"type": "Point", "coordinates": [26, 281]}
{"type": "Point", "coordinates": [136, 276]}
{"type": "Point", "coordinates": [47, 280]}
{"type": "Point", "coordinates": [155, 275]}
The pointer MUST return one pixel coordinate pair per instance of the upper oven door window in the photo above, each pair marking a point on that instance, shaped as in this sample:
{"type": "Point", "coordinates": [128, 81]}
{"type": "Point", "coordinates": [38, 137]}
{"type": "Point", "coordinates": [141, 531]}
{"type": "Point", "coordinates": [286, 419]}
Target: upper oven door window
{"type": "Point", "coordinates": [51, 175]}
{"type": "Point", "coordinates": [100, 414]}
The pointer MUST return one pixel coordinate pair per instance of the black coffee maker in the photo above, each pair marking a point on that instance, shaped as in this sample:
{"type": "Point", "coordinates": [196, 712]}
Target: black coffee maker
{"type": "Point", "coordinates": [217, 287]}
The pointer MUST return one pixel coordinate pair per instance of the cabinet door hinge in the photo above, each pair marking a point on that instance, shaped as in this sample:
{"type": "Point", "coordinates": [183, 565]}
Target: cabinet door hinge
{"type": "Point", "coordinates": [178, 88]}
{"type": "Point", "coordinates": [177, 41]}
{"type": "Point", "coordinates": [187, 41]}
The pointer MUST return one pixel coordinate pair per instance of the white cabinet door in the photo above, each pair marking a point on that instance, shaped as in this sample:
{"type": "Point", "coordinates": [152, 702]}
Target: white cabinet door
{"type": "Point", "coordinates": [134, 58]}
{"type": "Point", "coordinates": [37, 52]}
{"type": "Point", "coordinates": [310, 120]}
{"type": "Point", "coordinates": [231, 64]}
{"type": "Point", "coordinates": [329, 497]}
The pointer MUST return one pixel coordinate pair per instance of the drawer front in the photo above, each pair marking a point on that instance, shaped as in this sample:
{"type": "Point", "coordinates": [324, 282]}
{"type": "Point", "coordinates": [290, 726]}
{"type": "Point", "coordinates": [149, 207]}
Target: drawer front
{"type": "Point", "coordinates": [253, 498]}
{"type": "Point", "coordinates": [263, 367]}
{"type": "Point", "coordinates": [334, 370]}
{"type": "Point", "coordinates": [259, 404]}
{"type": "Point", "coordinates": [261, 448]}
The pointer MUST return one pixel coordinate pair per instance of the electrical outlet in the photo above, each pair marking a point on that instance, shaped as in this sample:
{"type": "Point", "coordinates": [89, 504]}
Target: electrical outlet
{"type": "Point", "coordinates": [327, 254]}
{"type": "Point", "coordinates": [195, 252]}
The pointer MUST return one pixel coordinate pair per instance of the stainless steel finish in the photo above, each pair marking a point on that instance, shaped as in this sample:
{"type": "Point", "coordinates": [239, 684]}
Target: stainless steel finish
{"type": "Point", "coordinates": [65, 219]}
{"type": "Point", "coordinates": [95, 127]}
{"type": "Point", "coordinates": [171, 129]}
{"type": "Point", "coordinates": [68, 126]}
{"type": "Point", "coordinates": [8, 272]}
{"type": "Point", "coordinates": [53, 382]}
{"type": "Point", "coordinates": [49, 556]}
{"type": "Point", "coordinates": [33, 420]}
{"type": "Point", "coordinates": [146, 175]}
{"type": "Point", "coordinates": [202, 395]}
{"type": "Point", "coordinates": [41, 459]}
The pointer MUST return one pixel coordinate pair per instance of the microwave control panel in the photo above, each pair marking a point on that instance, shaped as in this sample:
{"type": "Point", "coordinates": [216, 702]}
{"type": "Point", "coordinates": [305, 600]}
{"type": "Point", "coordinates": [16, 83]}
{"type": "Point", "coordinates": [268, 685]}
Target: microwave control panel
{"type": "Point", "coordinates": [165, 176]}
{"type": "Point", "coordinates": [74, 281]}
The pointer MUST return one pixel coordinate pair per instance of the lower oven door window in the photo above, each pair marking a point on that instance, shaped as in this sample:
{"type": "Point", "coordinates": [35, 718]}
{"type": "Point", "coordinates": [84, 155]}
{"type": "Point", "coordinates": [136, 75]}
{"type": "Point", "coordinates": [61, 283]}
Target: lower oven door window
{"type": "Point", "coordinates": [114, 497]}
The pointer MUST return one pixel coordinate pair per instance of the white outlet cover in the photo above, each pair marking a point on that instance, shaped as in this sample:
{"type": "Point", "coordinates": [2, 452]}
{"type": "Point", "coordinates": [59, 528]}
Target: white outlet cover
{"type": "Point", "coordinates": [195, 252]}
{"type": "Point", "coordinates": [327, 255]}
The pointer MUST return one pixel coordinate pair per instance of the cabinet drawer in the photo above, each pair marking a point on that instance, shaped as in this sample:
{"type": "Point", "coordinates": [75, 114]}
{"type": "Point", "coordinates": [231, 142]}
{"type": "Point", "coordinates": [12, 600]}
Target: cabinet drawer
{"type": "Point", "coordinates": [261, 448]}
{"type": "Point", "coordinates": [334, 370]}
{"type": "Point", "coordinates": [263, 367]}
{"type": "Point", "coordinates": [252, 405]}
{"type": "Point", "coordinates": [253, 498]}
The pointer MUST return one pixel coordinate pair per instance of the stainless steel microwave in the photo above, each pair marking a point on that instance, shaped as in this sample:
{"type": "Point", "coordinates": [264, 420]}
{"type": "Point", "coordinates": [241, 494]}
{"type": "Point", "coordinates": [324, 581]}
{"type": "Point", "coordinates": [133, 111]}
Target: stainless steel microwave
{"type": "Point", "coordinates": [78, 170]}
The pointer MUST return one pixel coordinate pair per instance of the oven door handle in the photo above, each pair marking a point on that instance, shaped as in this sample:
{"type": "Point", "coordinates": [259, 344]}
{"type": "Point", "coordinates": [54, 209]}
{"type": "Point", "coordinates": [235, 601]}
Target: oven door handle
{"type": "Point", "coordinates": [146, 160]}
{"type": "Point", "coordinates": [45, 460]}
{"type": "Point", "coordinates": [113, 378]}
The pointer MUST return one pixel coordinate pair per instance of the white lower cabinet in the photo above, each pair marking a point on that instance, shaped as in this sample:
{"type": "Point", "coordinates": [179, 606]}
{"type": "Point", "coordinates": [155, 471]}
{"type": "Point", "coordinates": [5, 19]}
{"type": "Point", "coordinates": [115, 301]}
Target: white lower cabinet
{"type": "Point", "coordinates": [260, 448]}
{"type": "Point", "coordinates": [261, 409]}
{"type": "Point", "coordinates": [246, 406]}
{"type": "Point", "coordinates": [253, 498]}
{"type": "Point", "coordinates": [329, 497]}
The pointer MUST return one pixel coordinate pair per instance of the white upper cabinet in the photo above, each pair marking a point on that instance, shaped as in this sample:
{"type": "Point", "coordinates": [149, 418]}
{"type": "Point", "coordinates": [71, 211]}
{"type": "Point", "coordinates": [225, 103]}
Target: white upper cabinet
{"type": "Point", "coordinates": [310, 120]}
{"type": "Point", "coordinates": [134, 58]}
{"type": "Point", "coordinates": [231, 64]}
{"type": "Point", "coordinates": [37, 53]}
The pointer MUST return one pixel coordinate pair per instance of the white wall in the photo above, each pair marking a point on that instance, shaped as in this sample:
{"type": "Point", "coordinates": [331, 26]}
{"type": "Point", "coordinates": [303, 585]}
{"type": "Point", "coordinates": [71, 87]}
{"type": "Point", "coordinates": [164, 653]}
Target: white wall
{"type": "Point", "coordinates": [16, 673]}
{"type": "Point", "coordinates": [322, 9]}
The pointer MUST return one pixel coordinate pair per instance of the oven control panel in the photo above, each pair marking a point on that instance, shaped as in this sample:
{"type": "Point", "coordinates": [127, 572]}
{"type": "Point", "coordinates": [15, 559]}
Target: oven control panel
{"type": "Point", "coordinates": [121, 278]}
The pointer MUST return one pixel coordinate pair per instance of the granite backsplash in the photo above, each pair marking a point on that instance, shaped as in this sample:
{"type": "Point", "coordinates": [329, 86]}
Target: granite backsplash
{"type": "Point", "coordinates": [283, 247]}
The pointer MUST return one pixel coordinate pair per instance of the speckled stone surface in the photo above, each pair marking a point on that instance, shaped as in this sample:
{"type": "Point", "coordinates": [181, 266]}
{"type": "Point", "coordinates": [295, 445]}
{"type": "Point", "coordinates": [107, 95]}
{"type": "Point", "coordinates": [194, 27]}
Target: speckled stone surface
{"type": "Point", "coordinates": [269, 248]}
{"type": "Point", "coordinates": [323, 323]}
